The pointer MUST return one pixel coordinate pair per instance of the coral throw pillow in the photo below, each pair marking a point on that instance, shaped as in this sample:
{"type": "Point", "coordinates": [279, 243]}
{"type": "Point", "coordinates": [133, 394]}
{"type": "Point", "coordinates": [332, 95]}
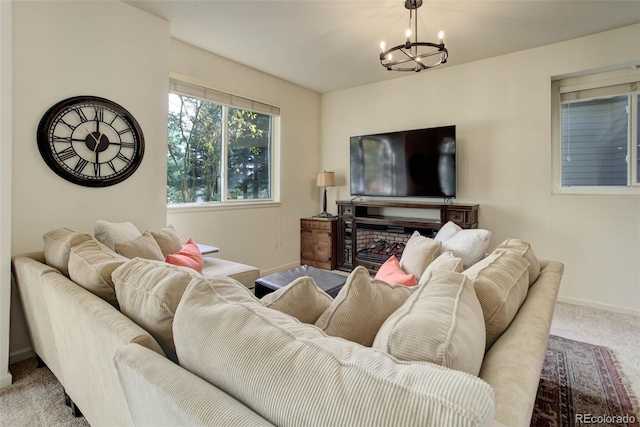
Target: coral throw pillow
{"type": "Point", "coordinates": [391, 272]}
{"type": "Point", "coordinates": [189, 256]}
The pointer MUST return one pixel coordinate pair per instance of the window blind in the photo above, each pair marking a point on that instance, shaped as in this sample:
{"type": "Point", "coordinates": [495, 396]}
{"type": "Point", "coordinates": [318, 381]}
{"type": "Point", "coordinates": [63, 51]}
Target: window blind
{"type": "Point", "coordinates": [600, 92]}
{"type": "Point", "coordinates": [196, 91]}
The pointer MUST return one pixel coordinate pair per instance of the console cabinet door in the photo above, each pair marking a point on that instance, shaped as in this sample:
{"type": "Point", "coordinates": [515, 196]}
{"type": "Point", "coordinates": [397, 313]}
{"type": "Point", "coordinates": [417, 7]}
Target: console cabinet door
{"type": "Point", "coordinates": [317, 243]}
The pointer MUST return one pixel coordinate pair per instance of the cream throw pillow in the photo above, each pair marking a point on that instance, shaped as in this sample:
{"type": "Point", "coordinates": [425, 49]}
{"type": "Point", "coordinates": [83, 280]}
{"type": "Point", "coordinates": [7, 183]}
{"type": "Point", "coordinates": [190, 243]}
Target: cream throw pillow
{"type": "Point", "coordinates": [302, 299]}
{"type": "Point", "coordinates": [440, 323]}
{"type": "Point", "coordinates": [144, 246]}
{"type": "Point", "coordinates": [110, 233]}
{"type": "Point", "coordinates": [523, 248]}
{"type": "Point", "coordinates": [90, 266]}
{"type": "Point", "coordinates": [447, 261]}
{"type": "Point", "coordinates": [418, 253]}
{"type": "Point", "coordinates": [293, 375]}
{"type": "Point", "coordinates": [361, 307]}
{"type": "Point", "coordinates": [149, 292]}
{"type": "Point", "coordinates": [468, 244]}
{"type": "Point", "coordinates": [57, 247]}
{"type": "Point", "coordinates": [501, 281]}
{"type": "Point", "coordinates": [168, 240]}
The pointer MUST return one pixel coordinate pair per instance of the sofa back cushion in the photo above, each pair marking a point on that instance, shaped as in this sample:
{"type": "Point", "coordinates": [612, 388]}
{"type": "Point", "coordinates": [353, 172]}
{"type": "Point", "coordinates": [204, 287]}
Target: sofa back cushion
{"type": "Point", "coordinates": [149, 292]}
{"type": "Point", "coordinates": [361, 307]}
{"type": "Point", "coordinates": [90, 266]}
{"type": "Point", "coordinates": [57, 247]}
{"type": "Point", "coordinates": [523, 249]}
{"type": "Point", "coordinates": [501, 281]}
{"type": "Point", "coordinates": [293, 375]}
{"type": "Point", "coordinates": [441, 323]}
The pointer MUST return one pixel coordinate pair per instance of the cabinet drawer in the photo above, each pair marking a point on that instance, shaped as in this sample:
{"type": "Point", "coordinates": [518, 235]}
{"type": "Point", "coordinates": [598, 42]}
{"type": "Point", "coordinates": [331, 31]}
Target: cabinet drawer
{"type": "Point", "coordinates": [456, 216]}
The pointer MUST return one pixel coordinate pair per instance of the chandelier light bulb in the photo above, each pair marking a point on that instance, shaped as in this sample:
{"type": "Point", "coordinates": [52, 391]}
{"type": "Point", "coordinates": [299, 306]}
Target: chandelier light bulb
{"type": "Point", "coordinates": [389, 57]}
{"type": "Point", "coordinates": [408, 34]}
{"type": "Point", "coordinates": [382, 47]}
{"type": "Point", "coordinates": [441, 37]}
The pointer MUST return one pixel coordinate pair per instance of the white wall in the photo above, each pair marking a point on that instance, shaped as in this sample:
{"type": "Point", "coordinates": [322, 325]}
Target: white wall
{"type": "Point", "coordinates": [5, 186]}
{"type": "Point", "coordinates": [266, 237]}
{"type": "Point", "coordinates": [502, 110]}
{"type": "Point", "coordinates": [64, 49]}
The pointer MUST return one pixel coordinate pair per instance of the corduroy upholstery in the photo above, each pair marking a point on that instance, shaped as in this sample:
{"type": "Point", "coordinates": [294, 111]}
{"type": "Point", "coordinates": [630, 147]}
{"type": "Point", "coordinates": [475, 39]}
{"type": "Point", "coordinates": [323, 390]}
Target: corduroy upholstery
{"type": "Point", "coordinates": [345, 384]}
{"type": "Point", "coordinates": [302, 299]}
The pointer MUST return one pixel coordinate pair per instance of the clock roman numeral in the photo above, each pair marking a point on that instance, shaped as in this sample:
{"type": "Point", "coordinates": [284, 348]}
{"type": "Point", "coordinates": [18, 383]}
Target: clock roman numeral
{"type": "Point", "coordinates": [128, 145]}
{"type": "Point", "coordinates": [96, 169]}
{"type": "Point", "coordinates": [113, 168]}
{"type": "Point", "coordinates": [67, 153]}
{"type": "Point", "coordinates": [82, 163]}
{"type": "Point", "coordinates": [122, 157]}
{"type": "Point", "coordinates": [61, 139]}
{"type": "Point", "coordinates": [99, 114]}
{"type": "Point", "coordinates": [72, 127]}
{"type": "Point", "coordinates": [80, 114]}
{"type": "Point", "coordinates": [122, 132]}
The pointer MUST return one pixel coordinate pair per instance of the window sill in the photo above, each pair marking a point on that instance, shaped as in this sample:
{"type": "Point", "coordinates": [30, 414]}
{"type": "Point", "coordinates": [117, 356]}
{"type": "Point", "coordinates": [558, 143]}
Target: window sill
{"type": "Point", "coordinates": [598, 191]}
{"type": "Point", "coordinates": [219, 206]}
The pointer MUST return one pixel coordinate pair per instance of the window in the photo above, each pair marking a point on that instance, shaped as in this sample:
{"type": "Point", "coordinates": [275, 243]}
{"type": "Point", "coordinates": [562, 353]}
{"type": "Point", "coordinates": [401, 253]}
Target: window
{"type": "Point", "coordinates": [220, 147]}
{"type": "Point", "coordinates": [597, 147]}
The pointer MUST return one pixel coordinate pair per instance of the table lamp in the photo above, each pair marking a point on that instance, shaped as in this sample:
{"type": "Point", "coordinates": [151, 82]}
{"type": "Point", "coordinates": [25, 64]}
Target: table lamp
{"type": "Point", "coordinates": [325, 179]}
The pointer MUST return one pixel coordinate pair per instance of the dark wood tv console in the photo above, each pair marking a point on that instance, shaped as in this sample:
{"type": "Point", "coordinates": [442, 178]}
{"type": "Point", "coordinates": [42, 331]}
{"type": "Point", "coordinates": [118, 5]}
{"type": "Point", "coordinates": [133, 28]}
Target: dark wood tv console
{"type": "Point", "coordinates": [360, 223]}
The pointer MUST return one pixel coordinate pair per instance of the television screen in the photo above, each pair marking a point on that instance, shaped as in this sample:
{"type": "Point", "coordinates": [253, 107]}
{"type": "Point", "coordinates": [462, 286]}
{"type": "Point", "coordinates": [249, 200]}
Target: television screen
{"type": "Point", "coordinates": [411, 163]}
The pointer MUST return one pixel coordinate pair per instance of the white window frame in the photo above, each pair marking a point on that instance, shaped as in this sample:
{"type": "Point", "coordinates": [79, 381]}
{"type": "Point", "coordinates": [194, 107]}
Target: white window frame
{"type": "Point", "coordinates": [569, 84]}
{"type": "Point", "coordinates": [189, 87]}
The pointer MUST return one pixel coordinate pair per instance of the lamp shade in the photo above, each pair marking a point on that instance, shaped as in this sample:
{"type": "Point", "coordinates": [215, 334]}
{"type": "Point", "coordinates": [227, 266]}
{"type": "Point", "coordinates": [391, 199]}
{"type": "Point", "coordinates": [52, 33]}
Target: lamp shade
{"type": "Point", "coordinates": [325, 179]}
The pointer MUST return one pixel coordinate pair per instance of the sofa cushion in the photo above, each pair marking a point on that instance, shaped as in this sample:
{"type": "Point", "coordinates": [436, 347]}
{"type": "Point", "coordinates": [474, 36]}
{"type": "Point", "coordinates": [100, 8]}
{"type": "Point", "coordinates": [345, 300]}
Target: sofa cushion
{"type": "Point", "coordinates": [143, 246]}
{"type": "Point", "coordinates": [243, 273]}
{"type": "Point", "coordinates": [293, 375]}
{"type": "Point", "coordinates": [447, 261]}
{"type": "Point", "coordinates": [468, 244]}
{"type": "Point", "coordinates": [90, 266]}
{"type": "Point", "coordinates": [148, 292]}
{"type": "Point", "coordinates": [188, 256]}
{"type": "Point", "coordinates": [168, 240]}
{"type": "Point", "coordinates": [302, 299]}
{"type": "Point", "coordinates": [524, 249]}
{"type": "Point", "coordinates": [441, 323]}
{"type": "Point", "coordinates": [57, 247]}
{"type": "Point", "coordinates": [501, 281]}
{"type": "Point", "coordinates": [391, 272]}
{"type": "Point", "coordinates": [361, 307]}
{"type": "Point", "coordinates": [419, 252]}
{"type": "Point", "coordinates": [110, 233]}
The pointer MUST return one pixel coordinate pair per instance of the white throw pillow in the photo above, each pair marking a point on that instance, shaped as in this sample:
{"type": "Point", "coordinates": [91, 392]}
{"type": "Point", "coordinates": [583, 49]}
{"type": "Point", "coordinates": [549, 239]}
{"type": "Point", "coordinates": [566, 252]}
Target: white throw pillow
{"type": "Point", "coordinates": [110, 233]}
{"type": "Point", "coordinates": [168, 240]}
{"type": "Point", "coordinates": [361, 307]}
{"type": "Point", "coordinates": [441, 323]}
{"type": "Point", "coordinates": [468, 244]}
{"type": "Point", "coordinates": [419, 252]}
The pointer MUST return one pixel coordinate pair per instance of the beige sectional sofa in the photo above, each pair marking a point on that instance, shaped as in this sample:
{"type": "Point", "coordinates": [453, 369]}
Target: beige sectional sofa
{"type": "Point", "coordinates": [246, 362]}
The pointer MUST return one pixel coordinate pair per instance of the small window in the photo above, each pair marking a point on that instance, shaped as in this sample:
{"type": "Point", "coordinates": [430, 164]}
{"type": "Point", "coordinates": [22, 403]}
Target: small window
{"type": "Point", "coordinates": [598, 143]}
{"type": "Point", "coordinates": [220, 147]}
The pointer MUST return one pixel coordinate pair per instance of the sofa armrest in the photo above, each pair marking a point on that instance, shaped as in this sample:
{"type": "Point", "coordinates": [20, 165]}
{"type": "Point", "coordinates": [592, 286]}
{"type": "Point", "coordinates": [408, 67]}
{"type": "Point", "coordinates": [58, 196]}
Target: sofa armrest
{"type": "Point", "coordinates": [27, 271]}
{"type": "Point", "coordinates": [512, 366]}
{"type": "Point", "coordinates": [87, 332]}
{"type": "Point", "coordinates": [161, 393]}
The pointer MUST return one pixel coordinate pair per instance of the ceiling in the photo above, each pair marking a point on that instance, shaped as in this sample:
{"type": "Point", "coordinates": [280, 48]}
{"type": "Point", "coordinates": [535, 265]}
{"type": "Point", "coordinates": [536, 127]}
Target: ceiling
{"type": "Point", "coordinates": [329, 45]}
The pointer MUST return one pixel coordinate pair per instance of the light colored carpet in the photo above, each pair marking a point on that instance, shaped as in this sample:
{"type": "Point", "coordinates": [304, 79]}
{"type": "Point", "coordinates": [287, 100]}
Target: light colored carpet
{"type": "Point", "coordinates": [36, 398]}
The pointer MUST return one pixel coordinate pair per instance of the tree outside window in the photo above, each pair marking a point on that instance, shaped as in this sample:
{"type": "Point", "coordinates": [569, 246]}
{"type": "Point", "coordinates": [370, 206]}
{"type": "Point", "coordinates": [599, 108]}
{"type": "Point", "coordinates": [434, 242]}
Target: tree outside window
{"type": "Point", "coordinates": [211, 144]}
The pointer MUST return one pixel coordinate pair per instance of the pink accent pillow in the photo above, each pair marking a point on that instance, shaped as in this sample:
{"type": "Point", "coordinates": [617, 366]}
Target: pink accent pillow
{"type": "Point", "coordinates": [391, 272]}
{"type": "Point", "coordinates": [189, 256]}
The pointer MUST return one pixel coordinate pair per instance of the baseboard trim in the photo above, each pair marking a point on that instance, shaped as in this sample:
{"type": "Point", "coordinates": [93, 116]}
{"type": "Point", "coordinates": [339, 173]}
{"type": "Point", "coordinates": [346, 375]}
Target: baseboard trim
{"type": "Point", "coordinates": [20, 355]}
{"type": "Point", "coordinates": [280, 268]}
{"type": "Point", "coordinates": [600, 306]}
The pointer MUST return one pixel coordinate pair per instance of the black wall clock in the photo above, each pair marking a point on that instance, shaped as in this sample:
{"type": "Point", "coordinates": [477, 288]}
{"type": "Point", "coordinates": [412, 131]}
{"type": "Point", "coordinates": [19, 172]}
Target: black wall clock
{"type": "Point", "coordinates": [90, 141]}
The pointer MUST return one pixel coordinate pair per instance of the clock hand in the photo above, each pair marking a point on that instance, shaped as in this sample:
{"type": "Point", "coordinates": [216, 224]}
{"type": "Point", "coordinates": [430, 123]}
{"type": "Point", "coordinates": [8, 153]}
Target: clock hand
{"type": "Point", "coordinates": [91, 133]}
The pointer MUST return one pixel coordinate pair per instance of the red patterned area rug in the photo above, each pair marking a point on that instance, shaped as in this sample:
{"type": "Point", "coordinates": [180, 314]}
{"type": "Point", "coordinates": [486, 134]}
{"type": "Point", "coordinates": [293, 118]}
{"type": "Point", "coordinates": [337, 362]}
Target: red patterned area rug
{"type": "Point", "coordinates": [580, 385]}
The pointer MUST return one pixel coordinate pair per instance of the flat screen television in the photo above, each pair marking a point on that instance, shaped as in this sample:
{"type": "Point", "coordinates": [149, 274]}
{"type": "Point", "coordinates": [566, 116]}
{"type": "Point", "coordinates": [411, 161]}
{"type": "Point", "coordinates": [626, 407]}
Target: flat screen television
{"type": "Point", "coordinates": [409, 163]}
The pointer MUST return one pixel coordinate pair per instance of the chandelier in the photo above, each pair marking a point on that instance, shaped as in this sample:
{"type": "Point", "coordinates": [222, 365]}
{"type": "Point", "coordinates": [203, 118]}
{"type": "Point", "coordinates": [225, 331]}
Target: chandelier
{"type": "Point", "coordinates": [414, 55]}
